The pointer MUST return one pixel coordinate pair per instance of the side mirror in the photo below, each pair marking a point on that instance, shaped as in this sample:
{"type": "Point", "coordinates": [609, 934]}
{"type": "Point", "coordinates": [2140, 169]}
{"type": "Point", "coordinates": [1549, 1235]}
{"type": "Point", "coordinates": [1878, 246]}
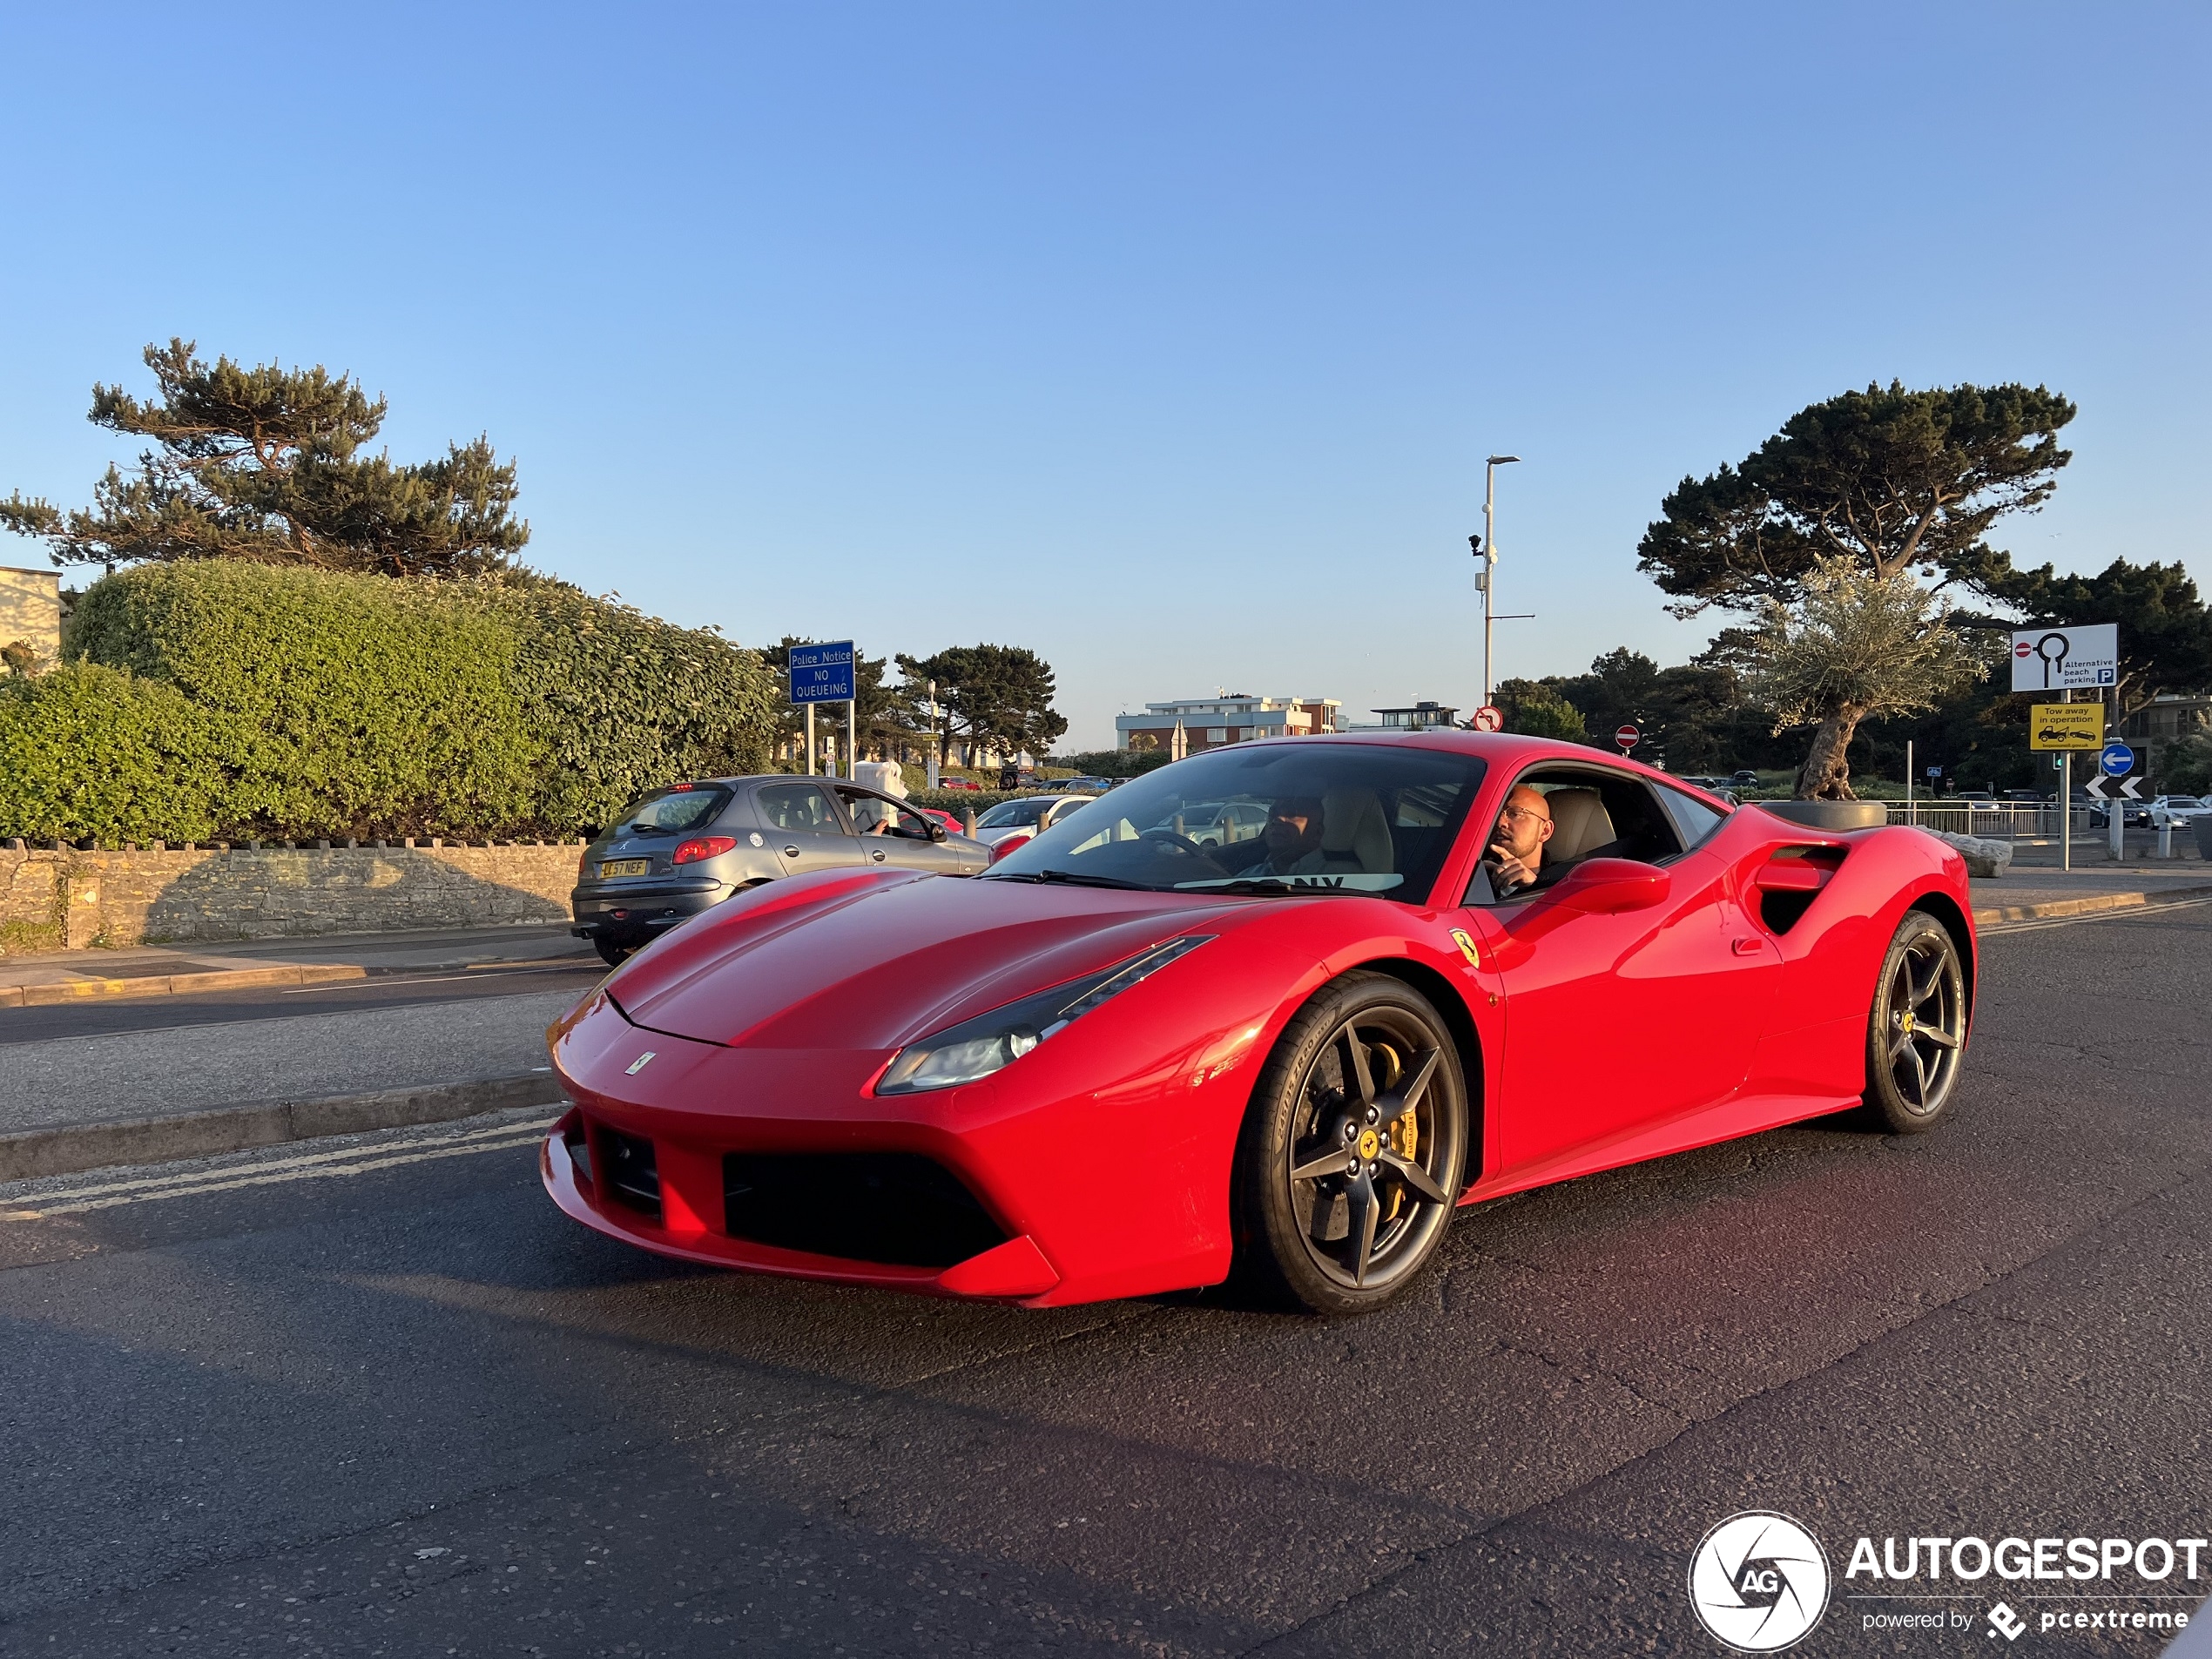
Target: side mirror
{"type": "Point", "coordinates": [1603, 886]}
{"type": "Point", "coordinates": [936, 830]}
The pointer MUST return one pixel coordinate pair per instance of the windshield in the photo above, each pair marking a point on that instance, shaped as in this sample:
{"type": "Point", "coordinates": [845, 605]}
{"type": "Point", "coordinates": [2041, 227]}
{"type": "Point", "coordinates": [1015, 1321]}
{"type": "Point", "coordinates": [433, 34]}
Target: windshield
{"type": "Point", "coordinates": [672, 811]}
{"type": "Point", "coordinates": [1010, 813]}
{"type": "Point", "coordinates": [1295, 816]}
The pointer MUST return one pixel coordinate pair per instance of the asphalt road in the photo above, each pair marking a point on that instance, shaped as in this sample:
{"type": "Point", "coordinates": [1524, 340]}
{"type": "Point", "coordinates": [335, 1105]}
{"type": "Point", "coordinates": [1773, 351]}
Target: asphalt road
{"type": "Point", "coordinates": [392, 1402]}
{"type": "Point", "coordinates": [107, 1059]}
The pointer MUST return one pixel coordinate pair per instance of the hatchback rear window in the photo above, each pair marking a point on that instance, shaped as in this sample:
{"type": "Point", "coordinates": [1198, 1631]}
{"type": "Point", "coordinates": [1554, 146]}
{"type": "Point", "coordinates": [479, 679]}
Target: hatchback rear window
{"type": "Point", "coordinates": [671, 811]}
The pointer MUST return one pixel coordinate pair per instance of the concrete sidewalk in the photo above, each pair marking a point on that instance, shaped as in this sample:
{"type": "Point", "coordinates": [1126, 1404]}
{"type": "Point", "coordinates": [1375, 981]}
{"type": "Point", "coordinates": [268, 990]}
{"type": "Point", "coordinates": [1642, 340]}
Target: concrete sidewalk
{"type": "Point", "coordinates": [2027, 893]}
{"type": "Point", "coordinates": [64, 976]}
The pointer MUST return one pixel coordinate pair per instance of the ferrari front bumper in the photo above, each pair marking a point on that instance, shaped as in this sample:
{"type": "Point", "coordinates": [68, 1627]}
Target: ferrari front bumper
{"type": "Point", "coordinates": [691, 1223]}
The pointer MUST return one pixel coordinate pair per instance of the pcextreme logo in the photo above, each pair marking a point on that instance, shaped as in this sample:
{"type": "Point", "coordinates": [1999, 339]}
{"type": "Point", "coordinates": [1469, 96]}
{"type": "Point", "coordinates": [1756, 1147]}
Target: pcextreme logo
{"type": "Point", "coordinates": [1759, 1581]}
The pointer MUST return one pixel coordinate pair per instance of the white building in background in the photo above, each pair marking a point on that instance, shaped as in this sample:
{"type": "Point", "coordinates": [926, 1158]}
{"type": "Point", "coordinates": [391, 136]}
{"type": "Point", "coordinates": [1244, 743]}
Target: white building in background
{"type": "Point", "coordinates": [1233, 717]}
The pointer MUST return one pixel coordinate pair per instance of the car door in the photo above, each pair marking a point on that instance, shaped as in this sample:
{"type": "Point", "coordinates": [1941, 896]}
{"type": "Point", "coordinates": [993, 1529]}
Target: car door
{"type": "Point", "coordinates": [1616, 1023]}
{"type": "Point", "coordinates": [898, 836]}
{"type": "Point", "coordinates": [805, 827]}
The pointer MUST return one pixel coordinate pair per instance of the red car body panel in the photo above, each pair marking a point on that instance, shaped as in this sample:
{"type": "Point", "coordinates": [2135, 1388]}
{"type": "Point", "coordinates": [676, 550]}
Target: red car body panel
{"type": "Point", "coordinates": [1104, 1155]}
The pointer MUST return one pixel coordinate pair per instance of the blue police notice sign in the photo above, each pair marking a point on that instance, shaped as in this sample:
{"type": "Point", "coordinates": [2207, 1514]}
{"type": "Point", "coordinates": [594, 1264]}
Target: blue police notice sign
{"type": "Point", "coordinates": [2117, 760]}
{"type": "Point", "coordinates": [822, 673]}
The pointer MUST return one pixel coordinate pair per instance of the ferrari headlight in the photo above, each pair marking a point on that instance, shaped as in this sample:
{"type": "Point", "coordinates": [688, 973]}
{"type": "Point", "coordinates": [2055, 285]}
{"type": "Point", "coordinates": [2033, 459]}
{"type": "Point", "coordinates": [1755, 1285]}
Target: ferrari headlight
{"type": "Point", "coordinates": [976, 1048]}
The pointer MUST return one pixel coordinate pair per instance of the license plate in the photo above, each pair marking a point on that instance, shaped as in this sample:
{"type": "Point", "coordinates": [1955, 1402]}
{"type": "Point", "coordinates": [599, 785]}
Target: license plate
{"type": "Point", "coordinates": [624, 866]}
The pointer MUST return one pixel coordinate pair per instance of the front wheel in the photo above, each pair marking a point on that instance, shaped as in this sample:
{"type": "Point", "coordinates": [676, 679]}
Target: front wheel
{"type": "Point", "coordinates": [1353, 1150]}
{"type": "Point", "coordinates": [1915, 1037]}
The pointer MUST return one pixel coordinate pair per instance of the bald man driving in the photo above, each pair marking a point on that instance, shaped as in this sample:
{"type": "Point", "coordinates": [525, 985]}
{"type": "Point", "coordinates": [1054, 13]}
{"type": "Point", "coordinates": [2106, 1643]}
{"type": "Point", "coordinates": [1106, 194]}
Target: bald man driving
{"type": "Point", "coordinates": [1515, 855]}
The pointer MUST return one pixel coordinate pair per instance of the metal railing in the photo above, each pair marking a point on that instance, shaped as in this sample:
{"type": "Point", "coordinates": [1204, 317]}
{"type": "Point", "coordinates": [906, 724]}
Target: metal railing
{"type": "Point", "coordinates": [1992, 820]}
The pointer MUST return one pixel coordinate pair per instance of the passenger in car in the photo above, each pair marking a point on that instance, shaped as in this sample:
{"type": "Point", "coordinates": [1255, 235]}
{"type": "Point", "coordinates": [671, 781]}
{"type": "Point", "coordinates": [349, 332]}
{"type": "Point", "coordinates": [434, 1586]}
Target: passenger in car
{"type": "Point", "coordinates": [1515, 855]}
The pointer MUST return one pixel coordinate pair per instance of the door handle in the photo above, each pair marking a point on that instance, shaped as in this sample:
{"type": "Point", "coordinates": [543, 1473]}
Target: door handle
{"type": "Point", "coordinates": [791, 851]}
{"type": "Point", "coordinates": [1746, 947]}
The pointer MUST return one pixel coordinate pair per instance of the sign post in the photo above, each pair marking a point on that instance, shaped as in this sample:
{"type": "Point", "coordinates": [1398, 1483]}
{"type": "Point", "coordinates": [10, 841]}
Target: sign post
{"type": "Point", "coordinates": [2116, 759]}
{"type": "Point", "coordinates": [823, 673]}
{"type": "Point", "coordinates": [1626, 737]}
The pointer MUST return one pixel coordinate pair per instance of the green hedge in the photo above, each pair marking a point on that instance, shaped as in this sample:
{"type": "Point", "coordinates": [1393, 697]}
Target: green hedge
{"type": "Point", "coordinates": [223, 698]}
{"type": "Point", "coordinates": [623, 702]}
{"type": "Point", "coordinates": [92, 752]}
{"type": "Point", "coordinates": [343, 706]}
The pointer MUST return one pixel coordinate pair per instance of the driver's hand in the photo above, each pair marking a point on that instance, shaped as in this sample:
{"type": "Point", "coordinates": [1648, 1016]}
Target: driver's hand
{"type": "Point", "coordinates": [1507, 865]}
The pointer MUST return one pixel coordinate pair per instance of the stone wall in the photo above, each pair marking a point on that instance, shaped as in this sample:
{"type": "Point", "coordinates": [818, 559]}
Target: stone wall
{"type": "Point", "coordinates": [63, 897]}
{"type": "Point", "coordinates": [30, 610]}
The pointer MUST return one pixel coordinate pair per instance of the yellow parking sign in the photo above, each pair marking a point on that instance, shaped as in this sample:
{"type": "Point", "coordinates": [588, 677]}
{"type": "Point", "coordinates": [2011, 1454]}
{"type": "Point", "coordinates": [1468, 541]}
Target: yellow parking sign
{"type": "Point", "coordinates": [2066, 725]}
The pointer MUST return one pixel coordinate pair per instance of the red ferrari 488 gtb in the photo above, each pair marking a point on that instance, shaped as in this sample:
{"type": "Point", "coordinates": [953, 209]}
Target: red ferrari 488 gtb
{"type": "Point", "coordinates": [1399, 976]}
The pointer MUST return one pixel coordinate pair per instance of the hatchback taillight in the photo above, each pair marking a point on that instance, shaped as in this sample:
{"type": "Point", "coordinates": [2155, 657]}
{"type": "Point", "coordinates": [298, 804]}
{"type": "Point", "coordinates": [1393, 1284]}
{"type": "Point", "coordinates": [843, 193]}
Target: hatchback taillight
{"type": "Point", "coordinates": [1010, 844]}
{"type": "Point", "coordinates": [704, 847]}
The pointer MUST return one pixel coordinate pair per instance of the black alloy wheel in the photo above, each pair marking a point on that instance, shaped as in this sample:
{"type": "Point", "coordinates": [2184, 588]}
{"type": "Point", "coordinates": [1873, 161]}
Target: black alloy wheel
{"type": "Point", "coordinates": [1916, 1038]}
{"type": "Point", "coordinates": [1353, 1149]}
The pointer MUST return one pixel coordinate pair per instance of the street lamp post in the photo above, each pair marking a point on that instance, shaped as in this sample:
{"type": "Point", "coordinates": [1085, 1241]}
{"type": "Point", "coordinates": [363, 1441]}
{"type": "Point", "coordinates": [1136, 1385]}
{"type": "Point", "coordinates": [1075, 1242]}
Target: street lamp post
{"type": "Point", "coordinates": [1490, 553]}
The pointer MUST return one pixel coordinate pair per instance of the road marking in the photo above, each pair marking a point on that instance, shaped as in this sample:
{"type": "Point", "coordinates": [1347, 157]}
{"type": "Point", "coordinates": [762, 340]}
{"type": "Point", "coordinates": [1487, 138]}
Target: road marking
{"type": "Point", "coordinates": [2133, 913]}
{"type": "Point", "coordinates": [358, 1160]}
{"type": "Point", "coordinates": [477, 977]}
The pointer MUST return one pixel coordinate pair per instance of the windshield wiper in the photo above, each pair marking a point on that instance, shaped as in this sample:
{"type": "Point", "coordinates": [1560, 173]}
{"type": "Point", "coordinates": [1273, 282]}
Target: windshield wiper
{"type": "Point", "coordinates": [1071, 878]}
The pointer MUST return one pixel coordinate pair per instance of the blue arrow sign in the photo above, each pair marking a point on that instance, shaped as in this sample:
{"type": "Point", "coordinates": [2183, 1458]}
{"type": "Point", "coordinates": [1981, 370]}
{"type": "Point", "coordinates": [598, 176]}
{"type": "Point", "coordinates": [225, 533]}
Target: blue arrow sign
{"type": "Point", "coordinates": [2117, 760]}
{"type": "Point", "coordinates": [822, 673]}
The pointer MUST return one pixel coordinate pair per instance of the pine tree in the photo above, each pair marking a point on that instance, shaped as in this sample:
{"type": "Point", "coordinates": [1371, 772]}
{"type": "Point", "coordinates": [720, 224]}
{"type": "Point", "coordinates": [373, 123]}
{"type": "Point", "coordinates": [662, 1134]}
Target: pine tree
{"type": "Point", "coordinates": [265, 463]}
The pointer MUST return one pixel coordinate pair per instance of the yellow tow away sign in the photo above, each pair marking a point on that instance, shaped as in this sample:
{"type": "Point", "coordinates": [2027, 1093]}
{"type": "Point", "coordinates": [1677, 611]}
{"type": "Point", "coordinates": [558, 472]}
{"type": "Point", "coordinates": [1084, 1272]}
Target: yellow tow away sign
{"type": "Point", "coordinates": [2066, 725]}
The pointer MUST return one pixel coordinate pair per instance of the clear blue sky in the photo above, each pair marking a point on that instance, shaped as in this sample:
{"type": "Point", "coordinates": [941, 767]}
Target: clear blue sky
{"type": "Point", "coordinates": [1165, 340]}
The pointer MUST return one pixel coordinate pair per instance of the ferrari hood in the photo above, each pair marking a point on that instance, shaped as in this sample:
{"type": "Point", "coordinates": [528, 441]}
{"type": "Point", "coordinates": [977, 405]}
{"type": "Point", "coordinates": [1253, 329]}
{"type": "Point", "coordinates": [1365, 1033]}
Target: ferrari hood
{"type": "Point", "coordinates": [874, 960]}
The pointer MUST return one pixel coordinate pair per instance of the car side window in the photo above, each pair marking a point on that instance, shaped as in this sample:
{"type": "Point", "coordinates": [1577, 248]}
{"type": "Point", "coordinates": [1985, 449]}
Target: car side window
{"type": "Point", "coordinates": [1593, 812]}
{"type": "Point", "coordinates": [801, 808]}
{"type": "Point", "coordinates": [1693, 818]}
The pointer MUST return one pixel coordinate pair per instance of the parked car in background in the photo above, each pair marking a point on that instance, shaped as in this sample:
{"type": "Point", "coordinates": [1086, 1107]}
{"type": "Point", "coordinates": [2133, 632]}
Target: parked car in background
{"type": "Point", "coordinates": [2026, 797]}
{"type": "Point", "coordinates": [2177, 812]}
{"type": "Point", "coordinates": [1086, 785]}
{"type": "Point", "coordinates": [1216, 824]}
{"type": "Point", "coordinates": [2136, 816]}
{"type": "Point", "coordinates": [680, 850]}
{"type": "Point", "coordinates": [1010, 823]}
{"type": "Point", "coordinates": [1744, 777]}
{"type": "Point", "coordinates": [939, 816]}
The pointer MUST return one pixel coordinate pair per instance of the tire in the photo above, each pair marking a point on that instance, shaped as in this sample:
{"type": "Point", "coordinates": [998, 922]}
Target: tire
{"type": "Point", "coordinates": [1346, 1237]}
{"type": "Point", "coordinates": [609, 952]}
{"type": "Point", "coordinates": [1916, 1036]}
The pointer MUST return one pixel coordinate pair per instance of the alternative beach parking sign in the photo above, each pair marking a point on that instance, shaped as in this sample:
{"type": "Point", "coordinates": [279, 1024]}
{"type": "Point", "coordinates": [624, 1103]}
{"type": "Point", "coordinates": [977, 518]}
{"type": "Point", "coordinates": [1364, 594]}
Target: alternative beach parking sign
{"type": "Point", "coordinates": [2066, 725]}
{"type": "Point", "coordinates": [822, 673]}
{"type": "Point", "coordinates": [2053, 660]}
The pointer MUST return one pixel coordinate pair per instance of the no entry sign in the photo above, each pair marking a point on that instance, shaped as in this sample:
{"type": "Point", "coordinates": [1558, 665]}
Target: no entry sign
{"type": "Point", "coordinates": [1626, 736]}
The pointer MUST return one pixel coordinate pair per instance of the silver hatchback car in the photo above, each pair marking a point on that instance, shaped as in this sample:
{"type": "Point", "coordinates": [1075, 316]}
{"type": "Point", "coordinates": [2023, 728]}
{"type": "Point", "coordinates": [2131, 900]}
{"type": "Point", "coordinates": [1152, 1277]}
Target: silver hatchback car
{"type": "Point", "coordinates": [683, 849]}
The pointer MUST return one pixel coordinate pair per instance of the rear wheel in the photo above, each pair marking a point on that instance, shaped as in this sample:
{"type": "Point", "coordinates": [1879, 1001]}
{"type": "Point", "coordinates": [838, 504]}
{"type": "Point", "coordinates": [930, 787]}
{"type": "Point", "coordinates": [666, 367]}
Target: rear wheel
{"type": "Point", "coordinates": [1915, 1037]}
{"type": "Point", "coordinates": [609, 952]}
{"type": "Point", "coordinates": [1353, 1149]}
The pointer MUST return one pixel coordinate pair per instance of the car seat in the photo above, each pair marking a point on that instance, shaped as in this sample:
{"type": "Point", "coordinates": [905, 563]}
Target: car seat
{"type": "Point", "coordinates": [1355, 833]}
{"type": "Point", "coordinates": [1580, 825]}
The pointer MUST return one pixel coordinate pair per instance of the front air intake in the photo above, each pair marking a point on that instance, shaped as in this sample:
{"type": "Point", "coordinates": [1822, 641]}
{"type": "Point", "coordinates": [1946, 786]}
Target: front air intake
{"type": "Point", "coordinates": [630, 1176]}
{"type": "Point", "coordinates": [897, 1208]}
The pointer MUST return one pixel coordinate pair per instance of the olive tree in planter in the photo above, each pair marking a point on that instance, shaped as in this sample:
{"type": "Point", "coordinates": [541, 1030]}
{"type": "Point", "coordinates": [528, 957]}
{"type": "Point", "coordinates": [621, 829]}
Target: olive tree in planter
{"type": "Point", "coordinates": [1851, 648]}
